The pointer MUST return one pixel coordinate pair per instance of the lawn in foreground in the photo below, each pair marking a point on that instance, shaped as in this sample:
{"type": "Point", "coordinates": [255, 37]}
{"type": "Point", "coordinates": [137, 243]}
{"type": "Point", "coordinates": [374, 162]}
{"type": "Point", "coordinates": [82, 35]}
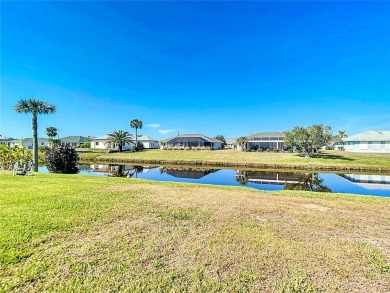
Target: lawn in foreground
{"type": "Point", "coordinates": [324, 159]}
{"type": "Point", "coordinates": [80, 233]}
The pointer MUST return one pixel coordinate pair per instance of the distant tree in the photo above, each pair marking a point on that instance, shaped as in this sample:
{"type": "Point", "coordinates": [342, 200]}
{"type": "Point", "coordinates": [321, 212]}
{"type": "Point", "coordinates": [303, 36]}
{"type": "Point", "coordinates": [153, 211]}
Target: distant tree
{"type": "Point", "coordinates": [221, 138]}
{"type": "Point", "coordinates": [120, 138]}
{"type": "Point", "coordinates": [242, 141]}
{"type": "Point", "coordinates": [338, 139]}
{"type": "Point", "coordinates": [137, 124]}
{"type": "Point", "coordinates": [35, 107]}
{"type": "Point", "coordinates": [62, 159]}
{"type": "Point", "coordinates": [308, 140]}
{"type": "Point", "coordinates": [51, 132]}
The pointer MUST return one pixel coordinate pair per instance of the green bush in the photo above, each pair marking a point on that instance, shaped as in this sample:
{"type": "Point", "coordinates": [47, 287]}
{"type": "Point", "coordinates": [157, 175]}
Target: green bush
{"type": "Point", "coordinates": [267, 150]}
{"type": "Point", "coordinates": [276, 150]}
{"type": "Point", "coordinates": [62, 159]}
{"type": "Point", "coordinates": [260, 150]}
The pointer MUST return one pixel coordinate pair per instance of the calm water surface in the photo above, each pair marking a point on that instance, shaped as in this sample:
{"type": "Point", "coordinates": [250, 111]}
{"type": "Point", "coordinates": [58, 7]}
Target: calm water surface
{"type": "Point", "coordinates": [364, 184]}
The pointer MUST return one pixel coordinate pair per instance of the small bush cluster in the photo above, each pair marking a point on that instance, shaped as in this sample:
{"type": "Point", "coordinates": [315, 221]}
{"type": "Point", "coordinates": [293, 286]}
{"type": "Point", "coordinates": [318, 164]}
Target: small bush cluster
{"type": "Point", "coordinates": [176, 148]}
{"type": "Point", "coordinates": [62, 159]}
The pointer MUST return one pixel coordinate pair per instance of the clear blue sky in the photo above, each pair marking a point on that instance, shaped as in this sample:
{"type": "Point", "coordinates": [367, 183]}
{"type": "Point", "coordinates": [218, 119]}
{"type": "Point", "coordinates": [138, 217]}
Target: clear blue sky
{"type": "Point", "coordinates": [227, 68]}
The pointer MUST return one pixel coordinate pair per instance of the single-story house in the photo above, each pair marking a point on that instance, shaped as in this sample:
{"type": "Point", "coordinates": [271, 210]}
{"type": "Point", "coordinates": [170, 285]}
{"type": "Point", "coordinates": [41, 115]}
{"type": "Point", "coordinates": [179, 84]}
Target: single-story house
{"type": "Point", "coordinates": [74, 141]}
{"type": "Point", "coordinates": [5, 140]}
{"type": "Point", "coordinates": [368, 142]}
{"type": "Point", "coordinates": [266, 140]}
{"type": "Point", "coordinates": [230, 142]}
{"type": "Point", "coordinates": [193, 141]}
{"type": "Point", "coordinates": [149, 142]}
{"type": "Point", "coordinates": [28, 142]}
{"type": "Point", "coordinates": [103, 142]}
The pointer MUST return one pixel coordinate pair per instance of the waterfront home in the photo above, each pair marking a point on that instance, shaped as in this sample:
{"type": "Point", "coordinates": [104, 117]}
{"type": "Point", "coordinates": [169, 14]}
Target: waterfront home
{"type": "Point", "coordinates": [368, 142]}
{"type": "Point", "coordinates": [266, 140]}
{"type": "Point", "coordinates": [27, 142]}
{"type": "Point", "coordinates": [190, 141]}
{"type": "Point", "coordinates": [103, 142]}
{"type": "Point", "coordinates": [74, 141]}
{"type": "Point", "coordinates": [149, 142]}
{"type": "Point", "coordinates": [230, 143]}
{"type": "Point", "coordinates": [5, 140]}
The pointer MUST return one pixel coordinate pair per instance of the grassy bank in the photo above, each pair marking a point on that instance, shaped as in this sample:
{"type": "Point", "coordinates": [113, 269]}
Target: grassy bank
{"type": "Point", "coordinates": [327, 160]}
{"type": "Point", "coordinates": [80, 233]}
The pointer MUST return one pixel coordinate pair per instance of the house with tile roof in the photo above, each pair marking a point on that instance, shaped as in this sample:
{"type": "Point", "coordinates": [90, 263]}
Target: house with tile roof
{"type": "Point", "coordinates": [368, 142]}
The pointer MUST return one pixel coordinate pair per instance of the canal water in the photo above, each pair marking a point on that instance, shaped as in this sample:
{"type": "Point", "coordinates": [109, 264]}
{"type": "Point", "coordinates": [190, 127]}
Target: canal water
{"type": "Point", "coordinates": [363, 184]}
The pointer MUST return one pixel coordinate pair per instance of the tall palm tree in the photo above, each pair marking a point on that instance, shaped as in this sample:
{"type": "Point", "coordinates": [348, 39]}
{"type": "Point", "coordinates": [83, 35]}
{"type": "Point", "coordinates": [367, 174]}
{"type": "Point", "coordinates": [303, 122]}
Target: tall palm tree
{"type": "Point", "coordinates": [51, 132]}
{"type": "Point", "coordinates": [137, 124]}
{"type": "Point", "coordinates": [120, 138]}
{"type": "Point", "coordinates": [35, 107]}
{"type": "Point", "coordinates": [241, 141]}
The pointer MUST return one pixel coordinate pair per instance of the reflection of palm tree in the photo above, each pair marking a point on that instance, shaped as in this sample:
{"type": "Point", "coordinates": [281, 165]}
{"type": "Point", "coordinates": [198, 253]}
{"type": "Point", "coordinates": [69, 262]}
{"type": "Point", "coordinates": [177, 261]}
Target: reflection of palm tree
{"type": "Point", "coordinates": [119, 172]}
{"type": "Point", "coordinates": [308, 182]}
{"type": "Point", "coordinates": [163, 170]}
{"type": "Point", "coordinates": [242, 177]}
{"type": "Point", "coordinates": [136, 170]}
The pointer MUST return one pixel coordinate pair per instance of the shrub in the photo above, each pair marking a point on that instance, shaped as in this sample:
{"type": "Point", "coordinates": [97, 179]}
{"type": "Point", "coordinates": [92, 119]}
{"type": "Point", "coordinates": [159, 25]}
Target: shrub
{"type": "Point", "coordinates": [276, 150]}
{"type": "Point", "coordinates": [341, 148]}
{"type": "Point", "coordinates": [85, 145]}
{"type": "Point", "coordinates": [62, 159]}
{"type": "Point", "coordinates": [267, 150]}
{"type": "Point", "coordinates": [260, 150]}
{"type": "Point", "coordinates": [329, 148]}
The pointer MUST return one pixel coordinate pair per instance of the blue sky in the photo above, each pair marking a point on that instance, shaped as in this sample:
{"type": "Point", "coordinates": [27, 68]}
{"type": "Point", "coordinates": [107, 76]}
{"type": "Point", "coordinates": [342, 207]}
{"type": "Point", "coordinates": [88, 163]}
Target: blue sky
{"type": "Point", "coordinates": [229, 68]}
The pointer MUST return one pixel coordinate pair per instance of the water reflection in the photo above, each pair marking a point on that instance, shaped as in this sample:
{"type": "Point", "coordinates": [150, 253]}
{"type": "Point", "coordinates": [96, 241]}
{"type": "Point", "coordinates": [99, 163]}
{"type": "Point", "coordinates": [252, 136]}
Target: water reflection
{"type": "Point", "coordinates": [259, 179]}
{"type": "Point", "coordinates": [186, 172]}
{"type": "Point", "coordinates": [308, 182]}
{"type": "Point", "coordinates": [290, 180]}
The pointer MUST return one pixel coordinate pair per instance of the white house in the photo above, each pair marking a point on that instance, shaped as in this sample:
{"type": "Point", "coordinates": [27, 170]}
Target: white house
{"type": "Point", "coordinates": [103, 142]}
{"type": "Point", "coordinates": [230, 142]}
{"type": "Point", "coordinates": [149, 142]}
{"type": "Point", "coordinates": [368, 142]}
{"type": "Point", "coordinates": [28, 142]}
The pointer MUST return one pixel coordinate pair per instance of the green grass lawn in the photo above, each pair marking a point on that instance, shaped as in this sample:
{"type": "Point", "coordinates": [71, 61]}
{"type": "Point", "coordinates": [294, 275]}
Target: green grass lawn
{"type": "Point", "coordinates": [79, 233]}
{"type": "Point", "coordinates": [324, 160]}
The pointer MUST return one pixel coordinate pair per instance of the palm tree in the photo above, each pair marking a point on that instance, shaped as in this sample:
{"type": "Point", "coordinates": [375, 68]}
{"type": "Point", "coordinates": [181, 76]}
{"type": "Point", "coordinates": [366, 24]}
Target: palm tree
{"type": "Point", "coordinates": [35, 107]}
{"type": "Point", "coordinates": [120, 137]}
{"type": "Point", "coordinates": [51, 132]}
{"type": "Point", "coordinates": [241, 141]}
{"type": "Point", "coordinates": [135, 123]}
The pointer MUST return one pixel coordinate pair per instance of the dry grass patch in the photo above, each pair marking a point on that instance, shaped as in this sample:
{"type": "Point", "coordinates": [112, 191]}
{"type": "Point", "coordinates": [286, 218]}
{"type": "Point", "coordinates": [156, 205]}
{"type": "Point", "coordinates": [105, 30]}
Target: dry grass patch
{"type": "Point", "coordinates": [166, 237]}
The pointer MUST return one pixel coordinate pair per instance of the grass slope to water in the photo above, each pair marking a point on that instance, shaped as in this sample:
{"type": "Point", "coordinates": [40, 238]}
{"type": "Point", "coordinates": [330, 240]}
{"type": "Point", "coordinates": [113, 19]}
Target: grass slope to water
{"type": "Point", "coordinates": [68, 233]}
{"type": "Point", "coordinates": [324, 160]}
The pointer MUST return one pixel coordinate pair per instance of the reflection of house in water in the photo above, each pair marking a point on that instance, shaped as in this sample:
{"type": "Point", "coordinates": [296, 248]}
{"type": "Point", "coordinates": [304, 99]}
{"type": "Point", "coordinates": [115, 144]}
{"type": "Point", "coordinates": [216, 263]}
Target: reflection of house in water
{"type": "Point", "coordinates": [274, 178]}
{"type": "Point", "coordinates": [369, 181]}
{"type": "Point", "coordinates": [109, 168]}
{"type": "Point", "coordinates": [187, 173]}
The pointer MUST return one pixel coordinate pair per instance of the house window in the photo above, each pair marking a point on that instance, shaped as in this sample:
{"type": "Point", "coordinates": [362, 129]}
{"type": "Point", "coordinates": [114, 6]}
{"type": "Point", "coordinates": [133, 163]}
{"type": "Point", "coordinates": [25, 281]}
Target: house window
{"type": "Point", "coordinates": [376, 146]}
{"type": "Point", "coordinates": [97, 143]}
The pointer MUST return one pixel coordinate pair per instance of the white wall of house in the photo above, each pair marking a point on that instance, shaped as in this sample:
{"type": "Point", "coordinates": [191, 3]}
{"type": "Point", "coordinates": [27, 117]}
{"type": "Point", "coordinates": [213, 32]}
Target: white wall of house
{"type": "Point", "coordinates": [367, 146]}
{"type": "Point", "coordinates": [150, 144]}
{"type": "Point", "coordinates": [104, 144]}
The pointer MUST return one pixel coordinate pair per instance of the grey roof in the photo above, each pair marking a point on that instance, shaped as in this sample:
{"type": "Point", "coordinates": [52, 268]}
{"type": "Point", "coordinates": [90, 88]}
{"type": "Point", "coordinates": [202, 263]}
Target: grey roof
{"type": "Point", "coordinates": [146, 138]}
{"type": "Point", "coordinates": [74, 139]}
{"type": "Point", "coordinates": [41, 139]}
{"type": "Point", "coordinates": [370, 136]}
{"type": "Point", "coordinates": [230, 140]}
{"type": "Point", "coordinates": [194, 136]}
{"type": "Point", "coordinates": [266, 134]}
{"type": "Point", "coordinates": [6, 138]}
